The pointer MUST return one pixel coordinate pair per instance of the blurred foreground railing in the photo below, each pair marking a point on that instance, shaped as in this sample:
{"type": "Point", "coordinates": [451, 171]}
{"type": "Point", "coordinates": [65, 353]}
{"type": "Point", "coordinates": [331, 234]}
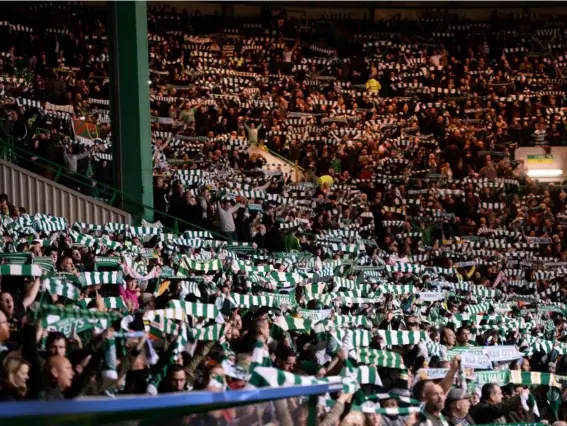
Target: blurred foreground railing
{"type": "Point", "coordinates": [242, 407]}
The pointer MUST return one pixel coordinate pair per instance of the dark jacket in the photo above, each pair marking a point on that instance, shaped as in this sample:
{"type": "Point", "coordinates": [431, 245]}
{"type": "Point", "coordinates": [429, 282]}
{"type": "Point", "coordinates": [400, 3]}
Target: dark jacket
{"type": "Point", "coordinates": [521, 416]}
{"type": "Point", "coordinates": [8, 392]}
{"type": "Point", "coordinates": [52, 393]}
{"type": "Point", "coordinates": [80, 383]}
{"type": "Point", "coordinates": [484, 413]}
{"type": "Point", "coordinates": [260, 240]}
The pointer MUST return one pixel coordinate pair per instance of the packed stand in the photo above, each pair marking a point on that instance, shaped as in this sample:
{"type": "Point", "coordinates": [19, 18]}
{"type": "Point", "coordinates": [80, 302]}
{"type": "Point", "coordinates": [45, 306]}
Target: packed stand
{"type": "Point", "coordinates": [417, 264]}
{"type": "Point", "coordinates": [51, 76]}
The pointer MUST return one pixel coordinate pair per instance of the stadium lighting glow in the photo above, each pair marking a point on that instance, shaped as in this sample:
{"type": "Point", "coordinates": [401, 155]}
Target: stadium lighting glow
{"type": "Point", "coordinates": [545, 173]}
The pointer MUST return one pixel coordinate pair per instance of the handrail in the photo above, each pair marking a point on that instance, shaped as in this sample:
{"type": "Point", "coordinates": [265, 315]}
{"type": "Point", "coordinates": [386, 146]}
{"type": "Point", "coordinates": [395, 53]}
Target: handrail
{"type": "Point", "coordinates": [100, 410]}
{"type": "Point", "coordinates": [111, 196]}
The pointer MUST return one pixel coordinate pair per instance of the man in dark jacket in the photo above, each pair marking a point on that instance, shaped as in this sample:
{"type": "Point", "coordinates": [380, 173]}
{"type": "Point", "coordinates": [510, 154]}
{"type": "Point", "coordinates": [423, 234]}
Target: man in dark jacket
{"type": "Point", "coordinates": [59, 375]}
{"type": "Point", "coordinates": [491, 409]}
{"type": "Point", "coordinates": [60, 379]}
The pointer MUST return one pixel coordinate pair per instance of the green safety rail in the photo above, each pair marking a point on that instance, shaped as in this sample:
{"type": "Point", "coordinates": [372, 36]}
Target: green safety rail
{"type": "Point", "coordinates": [15, 154]}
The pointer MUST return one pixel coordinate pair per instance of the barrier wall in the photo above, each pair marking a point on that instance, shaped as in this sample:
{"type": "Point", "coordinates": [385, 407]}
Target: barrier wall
{"type": "Point", "coordinates": [41, 195]}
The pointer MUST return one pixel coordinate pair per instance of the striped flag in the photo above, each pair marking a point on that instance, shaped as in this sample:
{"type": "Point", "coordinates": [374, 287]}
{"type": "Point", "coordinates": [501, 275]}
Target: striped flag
{"type": "Point", "coordinates": [197, 234]}
{"type": "Point", "coordinates": [142, 231]}
{"type": "Point", "coordinates": [247, 301]}
{"type": "Point", "coordinates": [21, 270]}
{"type": "Point", "coordinates": [274, 378]}
{"type": "Point", "coordinates": [395, 289]}
{"type": "Point", "coordinates": [160, 327]}
{"type": "Point", "coordinates": [107, 261]}
{"type": "Point", "coordinates": [528, 378]}
{"type": "Point", "coordinates": [399, 338]}
{"type": "Point", "coordinates": [187, 265]}
{"type": "Point", "coordinates": [45, 262]}
{"type": "Point", "coordinates": [372, 407]}
{"type": "Point", "coordinates": [199, 310]}
{"type": "Point", "coordinates": [289, 323]}
{"type": "Point", "coordinates": [367, 375]}
{"type": "Point", "coordinates": [260, 356]}
{"type": "Point", "coordinates": [360, 338]}
{"type": "Point", "coordinates": [241, 266]}
{"type": "Point", "coordinates": [114, 227]}
{"type": "Point", "coordinates": [82, 239]}
{"type": "Point", "coordinates": [345, 283]}
{"type": "Point", "coordinates": [109, 303]}
{"type": "Point", "coordinates": [313, 290]}
{"type": "Point", "coordinates": [210, 333]}
{"type": "Point", "coordinates": [170, 313]}
{"type": "Point", "coordinates": [351, 321]}
{"type": "Point", "coordinates": [15, 258]}
{"type": "Point", "coordinates": [478, 308]}
{"type": "Point", "coordinates": [95, 278]}
{"type": "Point", "coordinates": [379, 358]}
{"type": "Point", "coordinates": [88, 226]}
{"type": "Point", "coordinates": [61, 287]}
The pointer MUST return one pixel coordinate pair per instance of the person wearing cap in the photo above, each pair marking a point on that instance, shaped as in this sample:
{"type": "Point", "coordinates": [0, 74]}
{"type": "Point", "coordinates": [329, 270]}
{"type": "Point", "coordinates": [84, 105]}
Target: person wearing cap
{"type": "Point", "coordinates": [457, 407]}
{"type": "Point", "coordinates": [491, 409]}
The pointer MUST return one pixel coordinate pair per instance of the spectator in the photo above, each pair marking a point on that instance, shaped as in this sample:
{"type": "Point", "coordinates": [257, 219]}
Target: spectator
{"type": "Point", "coordinates": [434, 404]}
{"type": "Point", "coordinates": [491, 408]}
{"type": "Point", "coordinates": [13, 384]}
{"type": "Point", "coordinates": [457, 407]}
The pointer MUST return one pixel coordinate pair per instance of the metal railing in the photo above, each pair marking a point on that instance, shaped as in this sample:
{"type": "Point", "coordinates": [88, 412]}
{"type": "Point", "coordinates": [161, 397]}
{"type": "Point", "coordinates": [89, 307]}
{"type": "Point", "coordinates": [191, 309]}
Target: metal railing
{"type": "Point", "coordinates": [59, 173]}
{"type": "Point", "coordinates": [179, 407]}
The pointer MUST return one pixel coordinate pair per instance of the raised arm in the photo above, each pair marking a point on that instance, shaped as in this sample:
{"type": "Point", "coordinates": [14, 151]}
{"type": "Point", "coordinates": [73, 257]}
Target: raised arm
{"type": "Point", "coordinates": [31, 293]}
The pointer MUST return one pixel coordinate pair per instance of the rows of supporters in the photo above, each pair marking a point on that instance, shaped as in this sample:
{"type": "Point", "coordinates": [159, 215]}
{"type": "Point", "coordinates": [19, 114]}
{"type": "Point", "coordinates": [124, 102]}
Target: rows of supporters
{"type": "Point", "coordinates": [413, 261]}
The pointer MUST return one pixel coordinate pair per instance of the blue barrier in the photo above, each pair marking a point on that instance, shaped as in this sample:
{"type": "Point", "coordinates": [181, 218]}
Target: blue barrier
{"type": "Point", "coordinates": [100, 410]}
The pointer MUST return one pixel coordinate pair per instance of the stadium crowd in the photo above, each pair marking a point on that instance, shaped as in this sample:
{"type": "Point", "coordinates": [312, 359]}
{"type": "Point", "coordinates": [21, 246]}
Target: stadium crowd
{"type": "Point", "coordinates": [415, 262]}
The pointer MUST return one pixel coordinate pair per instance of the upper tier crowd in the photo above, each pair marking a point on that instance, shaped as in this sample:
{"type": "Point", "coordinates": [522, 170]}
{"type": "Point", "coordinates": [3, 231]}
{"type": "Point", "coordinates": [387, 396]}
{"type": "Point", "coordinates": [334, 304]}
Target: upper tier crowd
{"type": "Point", "coordinates": [411, 260]}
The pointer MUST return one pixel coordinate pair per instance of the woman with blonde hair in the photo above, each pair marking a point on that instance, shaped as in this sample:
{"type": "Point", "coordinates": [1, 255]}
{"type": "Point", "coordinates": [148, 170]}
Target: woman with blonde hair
{"type": "Point", "coordinates": [13, 383]}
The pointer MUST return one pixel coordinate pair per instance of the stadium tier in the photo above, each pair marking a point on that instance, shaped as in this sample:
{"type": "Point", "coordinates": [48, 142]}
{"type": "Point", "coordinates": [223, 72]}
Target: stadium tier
{"type": "Point", "coordinates": [351, 225]}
